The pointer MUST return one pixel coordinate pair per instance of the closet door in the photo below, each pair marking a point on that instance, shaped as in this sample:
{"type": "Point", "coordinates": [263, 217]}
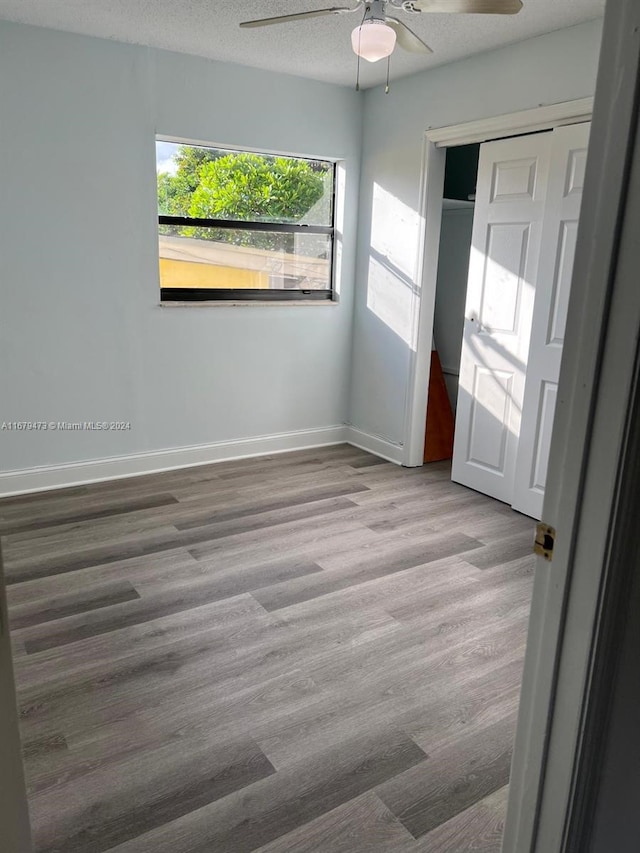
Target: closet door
{"type": "Point", "coordinates": [503, 270]}
{"type": "Point", "coordinates": [562, 210]}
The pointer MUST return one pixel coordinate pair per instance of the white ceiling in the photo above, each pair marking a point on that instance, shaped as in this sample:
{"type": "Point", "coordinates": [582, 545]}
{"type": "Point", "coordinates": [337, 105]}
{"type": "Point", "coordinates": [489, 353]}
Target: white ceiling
{"type": "Point", "coordinates": [318, 48]}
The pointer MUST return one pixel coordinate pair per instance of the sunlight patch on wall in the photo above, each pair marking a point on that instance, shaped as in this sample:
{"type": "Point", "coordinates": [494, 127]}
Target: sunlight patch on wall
{"type": "Point", "coordinates": [389, 298]}
{"type": "Point", "coordinates": [392, 285]}
{"type": "Point", "coordinates": [395, 231]}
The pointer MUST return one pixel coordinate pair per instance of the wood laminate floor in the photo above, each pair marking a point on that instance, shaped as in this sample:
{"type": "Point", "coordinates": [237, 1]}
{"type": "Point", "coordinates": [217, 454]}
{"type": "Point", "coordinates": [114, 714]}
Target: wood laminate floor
{"type": "Point", "coordinates": [315, 652]}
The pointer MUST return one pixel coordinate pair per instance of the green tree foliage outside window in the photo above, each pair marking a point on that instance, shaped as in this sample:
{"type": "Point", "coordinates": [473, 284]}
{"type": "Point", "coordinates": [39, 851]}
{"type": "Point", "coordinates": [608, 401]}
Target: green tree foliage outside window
{"type": "Point", "coordinates": [214, 184]}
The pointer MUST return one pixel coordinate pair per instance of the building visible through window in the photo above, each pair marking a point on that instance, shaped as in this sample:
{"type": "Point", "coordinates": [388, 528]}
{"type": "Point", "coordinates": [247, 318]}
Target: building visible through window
{"type": "Point", "coordinates": [236, 225]}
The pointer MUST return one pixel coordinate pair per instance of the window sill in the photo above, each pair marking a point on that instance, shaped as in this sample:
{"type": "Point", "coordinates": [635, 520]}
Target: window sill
{"type": "Point", "coordinates": [307, 303]}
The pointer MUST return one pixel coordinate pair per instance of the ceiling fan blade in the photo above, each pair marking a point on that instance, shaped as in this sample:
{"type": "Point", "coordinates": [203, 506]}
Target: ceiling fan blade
{"type": "Point", "coordinates": [486, 7]}
{"type": "Point", "coordinates": [297, 16]}
{"type": "Point", "coordinates": [406, 38]}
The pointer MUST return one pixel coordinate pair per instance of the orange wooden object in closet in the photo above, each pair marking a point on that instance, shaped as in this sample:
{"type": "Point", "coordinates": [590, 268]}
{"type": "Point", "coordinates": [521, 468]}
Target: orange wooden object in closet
{"type": "Point", "coordinates": [438, 440]}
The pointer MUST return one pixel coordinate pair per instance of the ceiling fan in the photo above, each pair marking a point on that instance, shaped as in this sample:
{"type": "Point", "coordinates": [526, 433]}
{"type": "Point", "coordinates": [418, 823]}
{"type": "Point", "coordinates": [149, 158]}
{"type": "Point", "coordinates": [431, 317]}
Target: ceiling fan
{"type": "Point", "coordinates": [377, 35]}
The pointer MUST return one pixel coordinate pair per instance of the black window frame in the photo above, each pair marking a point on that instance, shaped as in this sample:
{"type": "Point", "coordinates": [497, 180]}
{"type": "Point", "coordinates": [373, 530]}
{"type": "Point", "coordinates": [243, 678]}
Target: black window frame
{"type": "Point", "coordinates": [211, 294]}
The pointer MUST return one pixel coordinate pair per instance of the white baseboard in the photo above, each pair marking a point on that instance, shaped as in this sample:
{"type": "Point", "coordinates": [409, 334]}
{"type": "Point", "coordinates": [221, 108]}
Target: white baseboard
{"type": "Point", "coordinates": [118, 467]}
{"type": "Point", "coordinates": [375, 444]}
{"type": "Point", "coordinates": [80, 473]}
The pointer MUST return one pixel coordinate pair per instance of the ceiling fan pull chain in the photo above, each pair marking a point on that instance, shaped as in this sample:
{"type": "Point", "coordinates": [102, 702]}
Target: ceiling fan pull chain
{"type": "Point", "coordinates": [359, 45]}
{"type": "Point", "coordinates": [386, 88]}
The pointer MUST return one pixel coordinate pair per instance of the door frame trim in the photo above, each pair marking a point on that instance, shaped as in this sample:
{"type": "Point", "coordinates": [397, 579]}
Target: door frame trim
{"type": "Point", "coordinates": [512, 124]}
{"type": "Point", "coordinates": [435, 142]}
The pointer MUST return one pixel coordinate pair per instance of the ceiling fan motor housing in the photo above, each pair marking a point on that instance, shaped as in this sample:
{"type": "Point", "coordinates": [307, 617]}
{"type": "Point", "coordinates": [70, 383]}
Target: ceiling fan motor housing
{"type": "Point", "coordinates": [374, 11]}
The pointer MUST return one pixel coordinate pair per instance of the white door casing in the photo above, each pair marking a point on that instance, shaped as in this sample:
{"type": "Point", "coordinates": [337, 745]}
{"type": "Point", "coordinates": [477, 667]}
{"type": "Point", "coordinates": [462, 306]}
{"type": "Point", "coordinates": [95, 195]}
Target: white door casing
{"type": "Point", "coordinates": [555, 268]}
{"type": "Point", "coordinates": [507, 231]}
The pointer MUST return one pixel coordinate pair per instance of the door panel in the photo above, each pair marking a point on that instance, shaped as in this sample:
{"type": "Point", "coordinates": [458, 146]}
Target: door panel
{"type": "Point", "coordinates": [562, 282]}
{"type": "Point", "coordinates": [490, 415]}
{"type": "Point", "coordinates": [503, 277]}
{"type": "Point", "coordinates": [562, 210]}
{"type": "Point", "coordinates": [507, 230]}
{"type": "Point", "coordinates": [514, 180]}
{"type": "Point", "coordinates": [546, 409]}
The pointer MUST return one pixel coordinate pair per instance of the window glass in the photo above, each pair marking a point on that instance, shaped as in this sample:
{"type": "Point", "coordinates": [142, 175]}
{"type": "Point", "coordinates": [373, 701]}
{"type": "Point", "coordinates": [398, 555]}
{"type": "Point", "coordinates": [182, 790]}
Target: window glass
{"type": "Point", "coordinates": [240, 221]}
{"type": "Point", "coordinates": [213, 183]}
{"type": "Point", "coordinates": [228, 259]}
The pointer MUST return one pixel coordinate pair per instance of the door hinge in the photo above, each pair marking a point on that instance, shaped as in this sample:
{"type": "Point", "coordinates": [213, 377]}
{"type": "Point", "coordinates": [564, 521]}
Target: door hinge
{"type": "Point", "coordinates": [545, 540]}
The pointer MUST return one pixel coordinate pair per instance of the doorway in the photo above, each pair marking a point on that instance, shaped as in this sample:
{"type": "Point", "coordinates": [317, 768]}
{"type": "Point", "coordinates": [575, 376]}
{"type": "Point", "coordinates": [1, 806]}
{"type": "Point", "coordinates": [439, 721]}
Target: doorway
{"type": "Point", "coordinates": [433, 308]}
{"type": "Point", "coordinates": [523, 246]}
{"type": "Point", "coordinates": [461, 171]}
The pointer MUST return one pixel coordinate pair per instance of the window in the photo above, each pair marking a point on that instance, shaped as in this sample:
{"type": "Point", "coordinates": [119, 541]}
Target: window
{"type": "Point", "coordinates": [235, 225]}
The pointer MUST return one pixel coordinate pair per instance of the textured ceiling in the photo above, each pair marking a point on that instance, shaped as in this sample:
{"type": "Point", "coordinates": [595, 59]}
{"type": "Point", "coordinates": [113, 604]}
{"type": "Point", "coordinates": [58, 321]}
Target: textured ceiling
{"type": "Point", "coordinates": [318, 48]}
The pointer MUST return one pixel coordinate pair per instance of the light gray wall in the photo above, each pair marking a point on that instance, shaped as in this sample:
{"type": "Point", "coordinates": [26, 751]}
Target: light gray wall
{"type": "Point", "coordinates": [557, 67]}
{"type": "Point", "coordinates": [451, 292]}
{"type": "Point", "coordinates": [81, 334]}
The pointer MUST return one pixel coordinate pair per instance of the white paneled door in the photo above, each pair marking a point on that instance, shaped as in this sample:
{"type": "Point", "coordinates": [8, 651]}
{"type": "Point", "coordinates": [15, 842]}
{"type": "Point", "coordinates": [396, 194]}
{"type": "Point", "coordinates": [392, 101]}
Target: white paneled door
{"type": "Point", "coordinates": [505, 248]}
{"type": "Point", "coordinates": [560, 226]}
{"type": "Point", "coordinates": [527, 207]}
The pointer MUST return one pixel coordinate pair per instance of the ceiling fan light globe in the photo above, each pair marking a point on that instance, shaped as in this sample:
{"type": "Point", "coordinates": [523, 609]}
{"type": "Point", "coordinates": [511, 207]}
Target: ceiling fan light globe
{"type": "Point", "coordinates": [374, 40]}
